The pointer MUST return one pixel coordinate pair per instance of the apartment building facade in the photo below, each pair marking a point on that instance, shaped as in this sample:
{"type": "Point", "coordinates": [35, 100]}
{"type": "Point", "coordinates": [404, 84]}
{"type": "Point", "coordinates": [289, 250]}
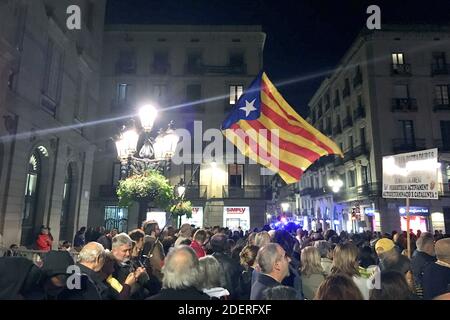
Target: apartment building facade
{"type": "Point", "coordinates": [192, 74]}
{"type": "Point", "coordinates": [49, 79]}
{"type": "Point", "coordinates": [388, 95]}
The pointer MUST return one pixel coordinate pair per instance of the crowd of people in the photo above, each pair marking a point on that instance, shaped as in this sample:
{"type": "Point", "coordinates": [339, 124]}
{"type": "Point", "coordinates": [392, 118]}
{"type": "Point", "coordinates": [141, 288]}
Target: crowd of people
{"type": "Point", "coordinates": [218, 263]}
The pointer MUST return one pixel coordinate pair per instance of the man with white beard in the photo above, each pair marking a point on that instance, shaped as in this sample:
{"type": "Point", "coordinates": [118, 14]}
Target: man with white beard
{"type": "Point", "coordinates": [121, 250]}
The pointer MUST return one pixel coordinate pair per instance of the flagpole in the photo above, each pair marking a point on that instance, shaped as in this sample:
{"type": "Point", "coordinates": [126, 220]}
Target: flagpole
{"type": "Point", "coordinates": [408, 237]}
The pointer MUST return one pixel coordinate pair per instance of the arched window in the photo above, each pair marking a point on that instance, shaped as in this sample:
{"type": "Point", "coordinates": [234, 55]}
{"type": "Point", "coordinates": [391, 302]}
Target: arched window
{"type": "Point", "coordinates": [31, 196]}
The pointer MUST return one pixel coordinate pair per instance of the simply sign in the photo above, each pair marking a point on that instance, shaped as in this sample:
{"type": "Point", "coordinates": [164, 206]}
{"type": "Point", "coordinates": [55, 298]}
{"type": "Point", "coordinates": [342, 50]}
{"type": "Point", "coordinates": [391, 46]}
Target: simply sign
{"type": "Point", "coordinates": [411, 175]}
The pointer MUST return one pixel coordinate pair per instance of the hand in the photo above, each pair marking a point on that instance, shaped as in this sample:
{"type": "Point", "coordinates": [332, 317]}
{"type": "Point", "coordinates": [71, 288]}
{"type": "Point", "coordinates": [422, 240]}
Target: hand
{"type": "Point", "coordinates": [138, 272]}
{"type": "Point", "coordinates": [131, 279]}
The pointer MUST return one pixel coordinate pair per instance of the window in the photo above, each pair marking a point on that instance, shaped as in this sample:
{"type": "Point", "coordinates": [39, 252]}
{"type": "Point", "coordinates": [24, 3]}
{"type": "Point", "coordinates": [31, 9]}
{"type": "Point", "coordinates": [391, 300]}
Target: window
{"type": "Point", "coordinates": [441, 94]}
{"type": "Point", "coordinates": [194, 63]}
{"type": "Point", "coordinates": [407, 131]}
{"type": "Point", "coordinates": [445, 133]}
{"type": "Point", "coordinates": [364, 175]}
{"type": "Point", "coordinates": [236, 175]}
{"type": "Point", "coordinates": [236, 59]}
{"type": "Point", "coordinates": [348, 111]}
{"type": "Point", "coordinates": [31, 198]}
{"type": "Point", "coordinates": [350, 143]}
{"type": "Point", "coordinates": [159, 93]}
{"type": "Point", "coordinates": [362, 136]}
{"type": "Point", "coordinates": [127, 62]}
{"type": "Point", "coordinates": [123, 92]}
{"type": "Point", "coordinates": [53, 73]}
{"type": "Point", "coordinates": [397, 59]}
{"type": "Point", "coordinates": [190, 174]}
{"type": "Point", "coordinates": [351, 179]}
{"type": "Point", "coordinates": [439, 60]}
{"type": "Point", "coordinates": [161, 63]}
{"type": "Point", "coordinates": [116, 218]}
{"type": "Point", "coordinates": [235, 93]}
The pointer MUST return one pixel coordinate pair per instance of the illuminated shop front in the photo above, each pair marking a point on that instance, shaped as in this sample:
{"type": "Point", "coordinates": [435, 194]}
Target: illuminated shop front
{"type": "Point", "coordinates": [419, 218]}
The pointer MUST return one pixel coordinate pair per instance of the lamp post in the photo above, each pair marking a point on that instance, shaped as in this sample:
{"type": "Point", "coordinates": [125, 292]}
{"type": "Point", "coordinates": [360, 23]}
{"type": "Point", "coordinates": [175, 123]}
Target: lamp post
{"type": "Point", "coordinates": [153, 152]}
{"type": "Point", "coordinates": [335, 184]}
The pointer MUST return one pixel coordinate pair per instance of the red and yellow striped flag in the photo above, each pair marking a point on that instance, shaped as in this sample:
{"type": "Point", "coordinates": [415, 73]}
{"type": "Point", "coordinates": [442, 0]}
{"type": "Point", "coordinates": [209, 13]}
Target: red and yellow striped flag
{"type": "Point", "coordinates": [265, 128]}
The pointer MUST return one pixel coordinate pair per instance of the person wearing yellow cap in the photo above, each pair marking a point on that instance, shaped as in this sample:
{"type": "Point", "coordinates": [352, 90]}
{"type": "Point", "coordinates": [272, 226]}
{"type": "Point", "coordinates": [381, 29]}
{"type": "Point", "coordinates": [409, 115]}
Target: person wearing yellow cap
{"type": "Point", "coordinates": [390, 257]}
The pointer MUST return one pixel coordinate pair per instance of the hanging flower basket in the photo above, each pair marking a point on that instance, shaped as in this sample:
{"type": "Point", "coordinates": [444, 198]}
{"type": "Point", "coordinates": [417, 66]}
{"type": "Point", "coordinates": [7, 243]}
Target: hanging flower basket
{"type": "Point", "coordinates": [148, 186]}
{"type": "Point", "coordinates": [182, 208]}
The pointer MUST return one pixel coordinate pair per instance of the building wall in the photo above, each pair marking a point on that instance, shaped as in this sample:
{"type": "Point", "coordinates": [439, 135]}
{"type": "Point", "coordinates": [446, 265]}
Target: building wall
{"type": "Point", "coordinates": [27, 29]}
{"type": "Point", "coordinates": [372, 53]}
{"type": "Point", "coordinates": [215, 43]}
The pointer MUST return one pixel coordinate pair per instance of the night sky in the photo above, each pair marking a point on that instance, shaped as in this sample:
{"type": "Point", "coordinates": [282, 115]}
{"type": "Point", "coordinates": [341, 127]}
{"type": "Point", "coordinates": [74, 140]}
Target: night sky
{"type": "Point", "coordinates": [303, 37]}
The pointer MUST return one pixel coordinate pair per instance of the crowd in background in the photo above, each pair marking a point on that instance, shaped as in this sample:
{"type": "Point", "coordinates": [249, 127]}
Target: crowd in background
{"type": "Point", "coordinates": [218, 263]}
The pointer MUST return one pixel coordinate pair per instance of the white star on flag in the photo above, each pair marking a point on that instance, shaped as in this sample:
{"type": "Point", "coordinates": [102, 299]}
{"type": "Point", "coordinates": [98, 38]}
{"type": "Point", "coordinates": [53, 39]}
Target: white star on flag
{"type": "Point", "coordinates": [249, 107]}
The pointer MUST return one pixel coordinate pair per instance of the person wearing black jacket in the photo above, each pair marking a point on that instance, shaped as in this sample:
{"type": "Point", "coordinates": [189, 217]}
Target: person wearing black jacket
{"type": "Point", "coordinates": [18, 276]}
{"type": "Point", "coordinates": [231, 268]}
{"type": "Point", "coordinates": [91, 286]}
{"type": "Point", "coordinates": [422, 257]}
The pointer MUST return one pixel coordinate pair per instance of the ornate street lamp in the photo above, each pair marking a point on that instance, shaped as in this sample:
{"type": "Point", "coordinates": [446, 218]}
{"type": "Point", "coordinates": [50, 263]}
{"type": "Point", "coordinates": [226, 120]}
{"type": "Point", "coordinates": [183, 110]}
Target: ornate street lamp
{"type": "Point", "coordinates": [153, 152]}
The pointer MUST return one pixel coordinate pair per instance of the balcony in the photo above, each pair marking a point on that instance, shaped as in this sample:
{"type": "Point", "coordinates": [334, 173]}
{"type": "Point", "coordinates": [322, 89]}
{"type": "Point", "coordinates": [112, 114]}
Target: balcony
{"type": "Point", "coordinates": [442, 145]}
{"type": "Point", "coordinates": [338, 161]}
{"type": "Point", "coordinates": [404, 104]}
{"type": "Point", "coordinates": [228, 69]}
{"type": "Point", "coordinates": [248, 192]}
{"type": "Point", "coordinates": [369, 190]}
{"type": "Point", "coordinates": [441, 105]}
{"type": "Point", "coordinates": [359, 113]}
{"type": "Point", "coordinates": [401, 69]}
{"type": "Point", "coordinates": [306, 191]}
{"type": "Point", "coordinates": [346, 92]}
{"type": "Point", "coordinates": [337, 130]}
{"type": "Point", "coordinates": [402, 145]}
{"type": "Point", "coordinates": [320, 192]}
{"type": "Point", "coordinates": [355, 152]}
{"type": "Point", "coordinates": [195, 192]}
{"type": "Point", "coordinates": [107, 191]}
{"type": "Point", "coordinates": [357, 80]}
{"type": "Point", "coordinates": [440, 69]}
{"type": "Point", "coordinates": [347, 122]}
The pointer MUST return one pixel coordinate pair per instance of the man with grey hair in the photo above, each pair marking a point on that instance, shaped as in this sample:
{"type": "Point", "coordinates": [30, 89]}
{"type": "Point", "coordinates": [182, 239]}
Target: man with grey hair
{"type": "Point", "coordinates": [121, 250]}
{"type": "Point", "coordinates": [422, 257]}
{"type": "Point", "coordinates": [181, 276]}
{"type": "Point", "coordinates": [436, 277]}
{"type": "Point", "coordinates": [90, 262]}
{"type": "Point", "coordinates": [274, 265]}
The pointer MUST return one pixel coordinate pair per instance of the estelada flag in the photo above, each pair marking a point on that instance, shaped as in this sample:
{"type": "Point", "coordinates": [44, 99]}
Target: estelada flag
{"type": "Point", "coordinates": [265, 128]}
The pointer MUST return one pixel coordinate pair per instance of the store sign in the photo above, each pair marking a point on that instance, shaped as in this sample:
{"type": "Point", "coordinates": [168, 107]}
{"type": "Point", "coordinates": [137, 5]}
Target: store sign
{"type": "Point", "coordinates": [414, 211]}
{"type": "Point", "coordinates": [234, 217]}
{"type": "Point", "coordinates": [411, 175]}
{"type": "Point", "coordinates": [158, 216]}
{"type": "Point", "coordinates": [196, 219]}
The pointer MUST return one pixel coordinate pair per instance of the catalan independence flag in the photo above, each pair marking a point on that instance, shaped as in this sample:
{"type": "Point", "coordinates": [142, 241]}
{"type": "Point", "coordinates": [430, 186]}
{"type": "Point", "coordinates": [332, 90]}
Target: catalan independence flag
{"type": "Point", "coordinates": [265, 128]}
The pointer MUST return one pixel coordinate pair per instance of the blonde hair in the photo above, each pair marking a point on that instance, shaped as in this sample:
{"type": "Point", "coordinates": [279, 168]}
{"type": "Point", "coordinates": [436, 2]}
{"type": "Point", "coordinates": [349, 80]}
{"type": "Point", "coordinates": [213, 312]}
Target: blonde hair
{"type": "Point", "coordinates": [310, 259]}
{"type": "Point", "coordinates": [262, 238]}
{"type": "Point", "coordinates": [345, 260]}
